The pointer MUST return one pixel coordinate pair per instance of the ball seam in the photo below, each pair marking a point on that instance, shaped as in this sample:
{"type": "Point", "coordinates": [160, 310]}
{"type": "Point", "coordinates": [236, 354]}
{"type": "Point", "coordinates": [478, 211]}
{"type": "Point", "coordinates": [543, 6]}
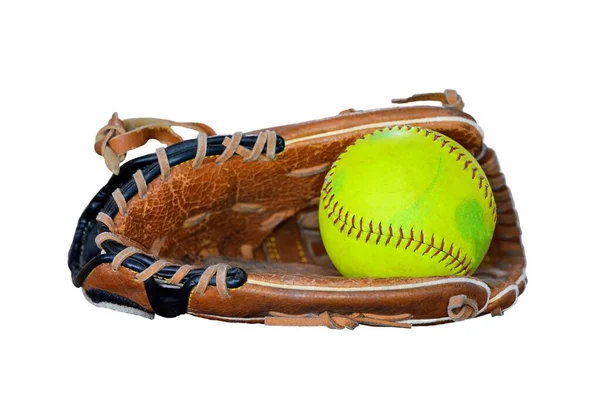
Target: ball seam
{"type": "Point", "coordinates": [475, 171]}
{"type": "Point", "coordinates": [362, 227]}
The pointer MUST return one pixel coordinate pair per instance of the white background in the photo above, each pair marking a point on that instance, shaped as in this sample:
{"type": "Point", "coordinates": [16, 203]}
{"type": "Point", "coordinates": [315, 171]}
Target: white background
{"type": "Point", "coordinates": [527, 72]}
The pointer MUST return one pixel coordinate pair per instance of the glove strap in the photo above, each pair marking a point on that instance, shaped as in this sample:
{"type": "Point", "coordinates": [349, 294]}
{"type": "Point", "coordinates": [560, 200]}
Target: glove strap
{"type": "Point", "coordinates": [116, 138]}
{"type": "Point", "coordinates": [449, 99]}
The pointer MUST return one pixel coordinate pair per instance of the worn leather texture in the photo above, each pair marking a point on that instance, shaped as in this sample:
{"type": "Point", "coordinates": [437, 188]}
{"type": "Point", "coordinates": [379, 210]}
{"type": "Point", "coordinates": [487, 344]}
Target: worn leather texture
{"type": "Point", "coordinates": [238, 233]}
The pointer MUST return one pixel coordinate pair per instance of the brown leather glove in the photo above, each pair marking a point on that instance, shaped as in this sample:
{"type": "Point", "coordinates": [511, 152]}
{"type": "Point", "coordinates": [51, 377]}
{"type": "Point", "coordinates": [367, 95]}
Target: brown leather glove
{"type": "Point", "coordinates": [225, 227]}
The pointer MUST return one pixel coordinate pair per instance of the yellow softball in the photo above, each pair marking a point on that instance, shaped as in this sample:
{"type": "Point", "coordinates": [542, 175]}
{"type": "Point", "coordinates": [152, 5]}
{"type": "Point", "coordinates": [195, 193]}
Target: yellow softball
{"type": "Point", "coordinates": [406, 202]}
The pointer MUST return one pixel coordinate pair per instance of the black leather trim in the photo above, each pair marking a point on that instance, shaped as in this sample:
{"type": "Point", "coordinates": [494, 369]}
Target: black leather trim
{"type": "Point", "coordinates": [82, 248]}
{"type": "Point", "coordinates": [84, 255]}
{"type": "Point", "coordinates": [166, 301]}
{"type": "Point", "coordinates": [177, 154]}
{"type": "Point", "coordinates": [236, 276]}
